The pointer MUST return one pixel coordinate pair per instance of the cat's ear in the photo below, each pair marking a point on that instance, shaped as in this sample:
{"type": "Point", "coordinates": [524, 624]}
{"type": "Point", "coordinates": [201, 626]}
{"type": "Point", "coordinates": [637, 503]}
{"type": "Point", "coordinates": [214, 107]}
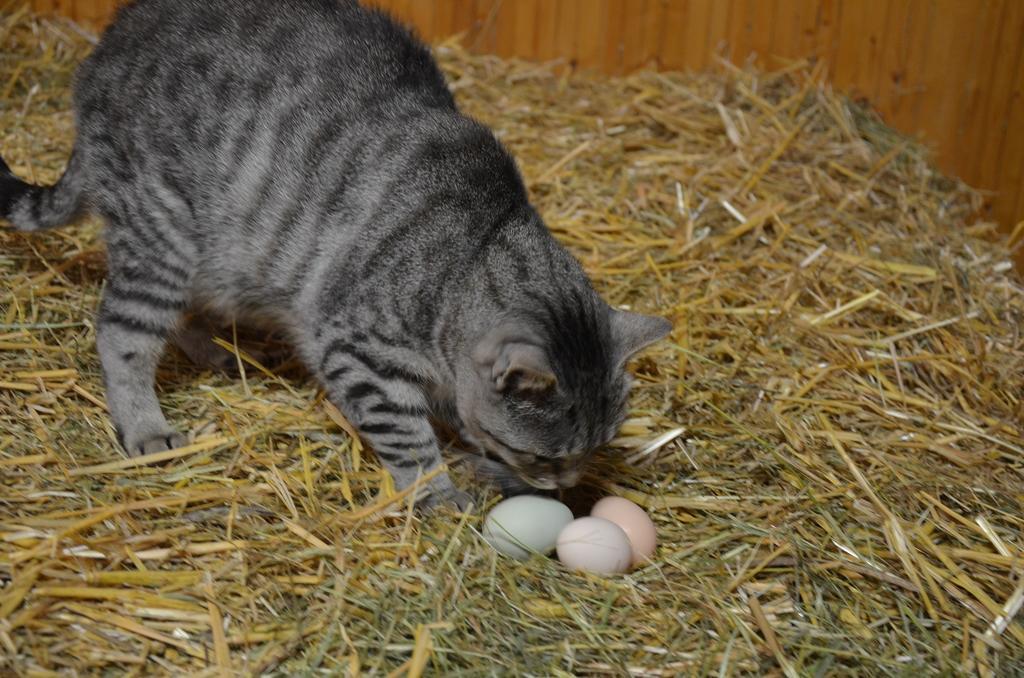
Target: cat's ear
{"type": "Point", "coordinates": [634, 331]}
{"type": "Point", "coordinates": [514, 365]}
{"type": "Point", "coordinates": [522, 370]}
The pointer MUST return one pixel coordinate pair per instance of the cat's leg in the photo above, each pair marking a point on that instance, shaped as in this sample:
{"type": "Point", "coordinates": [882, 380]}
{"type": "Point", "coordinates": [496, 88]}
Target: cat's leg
{"type": "Point", "coordinates": [392, 415]}
{"type": "Point", "coordinates": [142, 303]}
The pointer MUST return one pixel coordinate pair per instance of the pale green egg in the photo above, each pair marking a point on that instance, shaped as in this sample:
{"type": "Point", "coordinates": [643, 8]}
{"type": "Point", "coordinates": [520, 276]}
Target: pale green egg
{"type": "Point", "coordinates": [524, 525]}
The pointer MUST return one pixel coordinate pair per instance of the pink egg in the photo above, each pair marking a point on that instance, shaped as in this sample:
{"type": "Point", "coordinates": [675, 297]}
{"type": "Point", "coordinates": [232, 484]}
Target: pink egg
{"type": "Point", "coordinates": [596, 545]}
{"type": "Point", "coordinates": [634, 521]}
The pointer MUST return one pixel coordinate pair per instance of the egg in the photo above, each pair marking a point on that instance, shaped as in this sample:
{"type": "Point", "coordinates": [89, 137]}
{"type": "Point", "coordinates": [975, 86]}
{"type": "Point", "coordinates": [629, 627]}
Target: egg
{"type": "Point", "coordinates": [527, 524]}
{"type": "Point", "coordinates": [596, 545]}
{"type": "Point", "coordinates": [634, 521]}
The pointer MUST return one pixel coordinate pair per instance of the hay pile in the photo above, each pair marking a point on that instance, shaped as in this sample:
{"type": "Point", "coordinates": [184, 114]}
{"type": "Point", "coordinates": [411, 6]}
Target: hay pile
{"type": "Point", "coordinates": [830, 445]}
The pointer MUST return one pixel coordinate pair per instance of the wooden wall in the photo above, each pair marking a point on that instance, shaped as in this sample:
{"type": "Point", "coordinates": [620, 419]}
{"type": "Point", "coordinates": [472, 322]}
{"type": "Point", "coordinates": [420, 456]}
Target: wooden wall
{"type": "Point", "coordinates": [950, 70]}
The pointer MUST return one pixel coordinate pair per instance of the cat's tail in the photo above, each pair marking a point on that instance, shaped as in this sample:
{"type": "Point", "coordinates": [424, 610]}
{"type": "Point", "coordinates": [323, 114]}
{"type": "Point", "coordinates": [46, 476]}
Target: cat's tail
{"type": "Point", "coordinates": [36, 208]}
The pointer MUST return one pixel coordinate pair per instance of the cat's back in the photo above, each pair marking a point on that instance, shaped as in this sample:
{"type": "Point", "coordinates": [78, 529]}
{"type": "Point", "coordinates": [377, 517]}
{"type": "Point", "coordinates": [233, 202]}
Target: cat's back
{"type": "Point", "coordinates": [176, 56]}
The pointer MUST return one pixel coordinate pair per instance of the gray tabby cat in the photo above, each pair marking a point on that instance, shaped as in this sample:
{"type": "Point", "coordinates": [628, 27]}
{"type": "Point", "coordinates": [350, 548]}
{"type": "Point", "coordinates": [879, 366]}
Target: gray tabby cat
{"type": "Point", "coordinates": [301, 164]}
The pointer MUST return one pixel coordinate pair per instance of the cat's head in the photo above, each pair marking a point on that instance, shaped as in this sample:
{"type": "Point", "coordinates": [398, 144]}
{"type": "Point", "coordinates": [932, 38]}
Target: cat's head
{"type": "Point", "coordinates": [546, 390]}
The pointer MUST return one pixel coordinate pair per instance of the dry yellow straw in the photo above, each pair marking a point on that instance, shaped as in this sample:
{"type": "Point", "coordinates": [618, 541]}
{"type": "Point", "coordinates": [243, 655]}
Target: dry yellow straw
{"type": "Point", "coordinates": [830, 441]}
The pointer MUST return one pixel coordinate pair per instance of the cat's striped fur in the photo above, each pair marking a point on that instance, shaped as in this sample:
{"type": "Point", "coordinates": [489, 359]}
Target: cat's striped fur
{"type": "Point", "coordinates": [301, 163]}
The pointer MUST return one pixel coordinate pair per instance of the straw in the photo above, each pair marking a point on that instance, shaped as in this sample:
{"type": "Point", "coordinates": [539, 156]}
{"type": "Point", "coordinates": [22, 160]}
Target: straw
{"type": "Point", "coordinates": [829, 442]}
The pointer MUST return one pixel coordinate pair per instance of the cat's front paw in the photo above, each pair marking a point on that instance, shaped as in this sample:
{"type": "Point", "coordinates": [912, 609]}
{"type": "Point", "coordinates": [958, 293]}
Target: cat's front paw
{"type": "Point", "coordinates": [444, 494]}
{"type": "Point", "coordinates": [157, 442]}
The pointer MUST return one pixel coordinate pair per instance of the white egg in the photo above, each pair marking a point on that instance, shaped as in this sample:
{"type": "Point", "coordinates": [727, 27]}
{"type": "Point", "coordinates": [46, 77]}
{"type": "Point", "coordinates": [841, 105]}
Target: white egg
{"type": "Point", "coordinates": [596, 545]}
{"type": "Point", "coordinates": [521, 526]}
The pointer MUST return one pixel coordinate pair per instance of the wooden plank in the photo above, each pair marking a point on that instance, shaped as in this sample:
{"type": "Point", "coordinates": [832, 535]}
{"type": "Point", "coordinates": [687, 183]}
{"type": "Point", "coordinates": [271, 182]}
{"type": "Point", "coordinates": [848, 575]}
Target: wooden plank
{"type": "Point", "coordinates": [982, 166]}
{"type": "Point", "coordinates": [624, 49]}
{"type": "Point", "coordinates": [738, 27]}
{"type": "Point", "coordinates": [874, 14]}
{"type": "Point", "coordinates": [965, 127]}
{"type": "Point", "coordinates": [505, 44]}
{"type": "Point", "coordinates": [914, 29]}
{"type": "Point", "coordinates": [422, 16]}
{"type": "Point", "coordinates": [68, 8]}
{"type": "Point", "coordinates": [89, 13]}
{"type": "Point", "coordinates": [525, 43]}
{"type": "Point", "coordinates": [948, 68]}
{"type": "Point", "coordinates": [567, 39]}
{"type": "Point", "coordinates": [696, 35]}
{"type": "Point", "coordinates": [547, 31]}
{"type": "Point", "coordinates": [463, 19]}
{"type": "Point", "coordinates": [845, 53]}
{"type": "Point", "coordinates": [591, 26]}
{"type": "Point", "coordinates": [943, 74]}
{"type": "Point", "coordinates": [653, 29]}
{"type": "Point", "coordinates": [718, 32]}
{"type": "Point", "coordinates": [442, 19]}
{"type": "Point", "coordinates": [482, 37]}
{"type": "Point", "coordinates": [894, 55]}
{"type": "Point", "coordinates": [760, 28]}
{"type": "Point", "coordinates": [672, 46]}
{"type": "Point", "coordinates": [818, 30]}
{"type": "Point", "coordinates": [919, 67]}
{"type": "Point", "coordinates": [1010, 164]}
{"type": "Point", "coordinates": [785, 30]}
